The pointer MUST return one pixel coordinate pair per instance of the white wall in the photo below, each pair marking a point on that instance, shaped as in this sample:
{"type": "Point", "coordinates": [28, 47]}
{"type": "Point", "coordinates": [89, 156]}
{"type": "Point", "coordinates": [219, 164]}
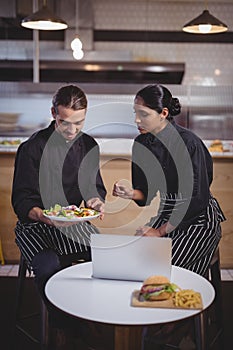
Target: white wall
{"type": "Point", "coordinates": [206, 63]}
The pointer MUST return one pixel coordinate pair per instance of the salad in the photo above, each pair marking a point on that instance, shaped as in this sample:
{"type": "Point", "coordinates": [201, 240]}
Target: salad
{"type": "Point", "coordinates": [69, 212]}
{"type": "Point", "coordinates": [10, 142]}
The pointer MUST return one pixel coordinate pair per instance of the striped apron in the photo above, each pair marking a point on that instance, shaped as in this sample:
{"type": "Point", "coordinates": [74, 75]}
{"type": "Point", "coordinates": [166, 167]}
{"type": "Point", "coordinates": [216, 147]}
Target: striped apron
{"type": "Point", "coordinates": [32, 238]}
{"type": "Point", "coordinates": [194, 245]}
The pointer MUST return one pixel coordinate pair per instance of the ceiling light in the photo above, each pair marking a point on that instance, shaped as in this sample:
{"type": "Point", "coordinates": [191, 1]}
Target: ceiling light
{"type": "Point", "coordinates": [78, 54]}
{"type": "Point", "coordinates": [205, 24]}
{"type": "Point", "coordinates": [44, 19]}
{"type": "Point", "coordinates": [92, 67]}
{"type": "Point", "coordinates": [76, 44]}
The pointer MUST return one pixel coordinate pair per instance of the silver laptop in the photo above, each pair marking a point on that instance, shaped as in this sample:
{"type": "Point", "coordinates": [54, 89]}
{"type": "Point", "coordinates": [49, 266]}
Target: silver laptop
{"type": "Point", "coordinates": [132, 258]}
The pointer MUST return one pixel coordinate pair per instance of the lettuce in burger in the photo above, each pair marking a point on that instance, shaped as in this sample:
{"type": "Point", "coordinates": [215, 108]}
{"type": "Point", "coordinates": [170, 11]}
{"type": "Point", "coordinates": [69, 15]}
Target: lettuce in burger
{"type": "Point", "coordinates": [157, 288]}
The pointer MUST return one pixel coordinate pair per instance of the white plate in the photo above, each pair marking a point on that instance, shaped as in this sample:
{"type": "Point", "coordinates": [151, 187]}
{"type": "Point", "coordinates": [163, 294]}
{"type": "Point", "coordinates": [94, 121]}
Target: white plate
{"type": "Point", "coordinates": [9, 146]}
{"type": "Point", "coordinates": [11, 139]}
{"type": "Point", "coordinates": [76, 219]}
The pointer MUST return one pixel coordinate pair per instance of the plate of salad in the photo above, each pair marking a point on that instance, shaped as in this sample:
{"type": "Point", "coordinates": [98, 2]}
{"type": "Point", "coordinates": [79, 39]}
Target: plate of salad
{"type": "Point", "coordinates": [70, 213]}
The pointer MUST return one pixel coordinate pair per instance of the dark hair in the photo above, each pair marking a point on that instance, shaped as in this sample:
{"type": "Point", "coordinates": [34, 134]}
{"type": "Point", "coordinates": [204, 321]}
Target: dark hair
{"type": "Point", "coordinates": [70, 96]}
{"type": "Point", "coordinates": [158, 97]}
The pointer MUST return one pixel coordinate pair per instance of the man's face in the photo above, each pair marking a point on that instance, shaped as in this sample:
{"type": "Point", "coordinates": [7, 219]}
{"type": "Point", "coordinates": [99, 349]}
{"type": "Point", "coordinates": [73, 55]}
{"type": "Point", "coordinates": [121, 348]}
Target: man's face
{"type": "Point", "coordinates": [68, 121]}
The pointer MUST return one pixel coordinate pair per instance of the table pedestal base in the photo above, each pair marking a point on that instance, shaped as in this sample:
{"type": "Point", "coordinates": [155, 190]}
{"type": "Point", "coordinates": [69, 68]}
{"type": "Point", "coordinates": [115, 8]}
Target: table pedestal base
{"type": "Point", "coordinates": [128, 337]}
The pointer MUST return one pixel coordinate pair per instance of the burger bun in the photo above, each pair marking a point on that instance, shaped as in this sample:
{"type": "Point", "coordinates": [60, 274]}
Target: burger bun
{"type": "Point", "coordinates": [156, 279]}
{"type": "Point", "coordinates": [161, 296]}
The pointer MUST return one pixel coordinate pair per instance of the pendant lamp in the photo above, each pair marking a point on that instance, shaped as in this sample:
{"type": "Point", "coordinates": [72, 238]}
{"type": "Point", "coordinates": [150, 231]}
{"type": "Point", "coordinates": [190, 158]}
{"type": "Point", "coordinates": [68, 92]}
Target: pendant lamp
{"type": "Point", "coordinates": [205, 24]}
{"type": "Point", "coordinates": [44, 19]}
{"type": "Point", "coordinates": [76, 43]}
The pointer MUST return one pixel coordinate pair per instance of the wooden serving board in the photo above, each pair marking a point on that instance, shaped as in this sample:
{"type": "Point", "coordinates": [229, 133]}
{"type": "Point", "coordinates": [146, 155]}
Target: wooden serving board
{"type": "Point", "coordinates": [138, 301]}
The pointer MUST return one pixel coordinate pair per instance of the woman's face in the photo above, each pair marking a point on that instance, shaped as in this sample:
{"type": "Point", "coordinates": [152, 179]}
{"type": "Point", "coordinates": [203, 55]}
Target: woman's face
{"type": "Point", "coordinates": [147, 119]}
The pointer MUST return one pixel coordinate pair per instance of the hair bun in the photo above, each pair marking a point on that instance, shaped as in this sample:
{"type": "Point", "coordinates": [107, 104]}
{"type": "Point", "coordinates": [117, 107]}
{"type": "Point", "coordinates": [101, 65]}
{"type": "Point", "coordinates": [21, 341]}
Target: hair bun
{"type": "Point", "coordinates": [175, 106]}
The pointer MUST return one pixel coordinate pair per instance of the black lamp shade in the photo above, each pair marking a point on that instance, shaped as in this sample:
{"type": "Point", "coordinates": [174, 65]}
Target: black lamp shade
{"type": "Point", "coordinates": [44, 19]}
{"type": "Point", "coordinates": [205, 24]}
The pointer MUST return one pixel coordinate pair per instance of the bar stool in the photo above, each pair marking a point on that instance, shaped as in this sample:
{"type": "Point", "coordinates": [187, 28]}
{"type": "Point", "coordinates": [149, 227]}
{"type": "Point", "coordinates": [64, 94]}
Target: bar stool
{"type": "Point", "coordinates": [212, 317]}
{"type": "Point", "coordinates": [42, 340]}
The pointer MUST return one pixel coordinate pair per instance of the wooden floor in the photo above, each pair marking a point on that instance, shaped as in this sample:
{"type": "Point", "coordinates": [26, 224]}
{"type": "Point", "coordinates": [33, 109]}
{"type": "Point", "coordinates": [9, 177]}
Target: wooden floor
{"type": "Point", "coordinates": [7, 304]}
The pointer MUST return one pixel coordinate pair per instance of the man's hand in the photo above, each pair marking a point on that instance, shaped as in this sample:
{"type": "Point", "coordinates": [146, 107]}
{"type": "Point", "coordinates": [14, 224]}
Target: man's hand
{"type": "Point", "coordinates": [96, 204]}
{"type": "Point", "coordinates": [36, 214]}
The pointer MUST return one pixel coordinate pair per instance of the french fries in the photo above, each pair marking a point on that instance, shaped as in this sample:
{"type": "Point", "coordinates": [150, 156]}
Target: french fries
{"type": "Point", "coordinates": [187, 298]}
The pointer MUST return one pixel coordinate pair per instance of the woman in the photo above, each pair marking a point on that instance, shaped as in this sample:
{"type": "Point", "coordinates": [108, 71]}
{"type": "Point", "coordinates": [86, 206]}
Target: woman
{"type": "Point", "coordinates": [171, 161]}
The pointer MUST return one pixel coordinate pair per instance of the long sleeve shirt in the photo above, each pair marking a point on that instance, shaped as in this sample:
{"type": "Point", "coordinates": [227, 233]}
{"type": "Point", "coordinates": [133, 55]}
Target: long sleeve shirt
{"type": "Point", "coordinates": [176, 163]}
{"type": "Point", "coordinates": [50, 170]}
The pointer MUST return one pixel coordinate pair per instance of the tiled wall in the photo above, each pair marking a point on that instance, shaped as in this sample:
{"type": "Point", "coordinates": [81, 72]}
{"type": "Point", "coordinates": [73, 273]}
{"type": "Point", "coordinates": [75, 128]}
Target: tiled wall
{"type": "Point", "coordinates": [155, 14]}
{"type": "Point", "coordinates": [206, 63]}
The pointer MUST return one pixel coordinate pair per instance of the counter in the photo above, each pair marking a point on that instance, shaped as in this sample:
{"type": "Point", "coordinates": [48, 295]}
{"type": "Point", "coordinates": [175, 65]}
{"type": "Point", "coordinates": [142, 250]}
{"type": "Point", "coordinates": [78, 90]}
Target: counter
{"type": "Point", "coordinates": [122, 216]}
{"type": "Point", "coordinates": [114, 147]}
{"type": "Point", "coordinates": [8, 217]}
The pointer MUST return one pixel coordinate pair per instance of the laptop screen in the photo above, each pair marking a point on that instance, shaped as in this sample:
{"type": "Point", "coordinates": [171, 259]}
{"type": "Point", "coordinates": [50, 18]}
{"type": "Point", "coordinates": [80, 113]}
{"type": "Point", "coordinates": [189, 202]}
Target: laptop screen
{"type": "Point", "coordinates": [132, 258]}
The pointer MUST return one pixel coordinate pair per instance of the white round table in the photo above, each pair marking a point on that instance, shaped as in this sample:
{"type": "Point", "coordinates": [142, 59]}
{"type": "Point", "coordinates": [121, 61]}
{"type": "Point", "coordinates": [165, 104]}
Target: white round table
{"type": "Point", "coordinates": [74, 291]}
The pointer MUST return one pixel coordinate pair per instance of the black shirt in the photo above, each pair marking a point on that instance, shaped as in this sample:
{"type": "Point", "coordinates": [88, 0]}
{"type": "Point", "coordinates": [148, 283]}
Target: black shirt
{"type": "Point", "coordinates": [49, 170]}
{"type": "Point", "coordinates": [176, 163]}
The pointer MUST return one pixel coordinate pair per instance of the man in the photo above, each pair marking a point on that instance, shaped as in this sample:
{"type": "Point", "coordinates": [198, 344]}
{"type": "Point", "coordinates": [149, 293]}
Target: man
{"type": "Point", "coordinates": [57, 165]}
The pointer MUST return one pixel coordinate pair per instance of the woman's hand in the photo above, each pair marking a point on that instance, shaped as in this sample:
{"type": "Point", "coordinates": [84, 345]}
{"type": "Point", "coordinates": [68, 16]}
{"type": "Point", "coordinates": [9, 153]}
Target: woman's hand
{"type": "Point", "coordinates": [156, 232]}
{"type": "Point", "coordinates": [122, 191]}
{"type": "Point", "coordinates": [147, 231]}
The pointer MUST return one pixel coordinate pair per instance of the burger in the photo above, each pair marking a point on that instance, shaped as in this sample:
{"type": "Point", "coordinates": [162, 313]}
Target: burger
{"type": "Point", "coordinates": [216, 146]}
{"type": "Point", "coordinates": [157, 288]}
